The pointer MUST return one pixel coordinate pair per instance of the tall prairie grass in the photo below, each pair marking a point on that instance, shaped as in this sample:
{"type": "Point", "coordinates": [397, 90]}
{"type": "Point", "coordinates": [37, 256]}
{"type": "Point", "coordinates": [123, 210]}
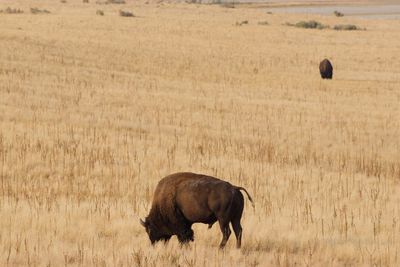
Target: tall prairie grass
{"type": "Point", "coordinates": [95, 110]}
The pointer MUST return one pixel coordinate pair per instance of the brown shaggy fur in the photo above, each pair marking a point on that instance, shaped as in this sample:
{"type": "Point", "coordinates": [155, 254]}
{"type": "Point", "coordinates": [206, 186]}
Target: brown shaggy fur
{"type": "Point", "coordinates": [182, 199]}
{"type": "Point", "coordinates": [326, 69]}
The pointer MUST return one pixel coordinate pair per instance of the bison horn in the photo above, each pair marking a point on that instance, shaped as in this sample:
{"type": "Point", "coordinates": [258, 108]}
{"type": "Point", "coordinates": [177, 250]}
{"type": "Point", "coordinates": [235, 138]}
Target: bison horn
{"type": "Point", "coordinates": [142, 223]}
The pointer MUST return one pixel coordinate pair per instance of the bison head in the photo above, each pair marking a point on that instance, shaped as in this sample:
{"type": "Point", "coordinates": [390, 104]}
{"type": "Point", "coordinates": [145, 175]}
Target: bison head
{"type": "Point", "coordinates": [154, 234]}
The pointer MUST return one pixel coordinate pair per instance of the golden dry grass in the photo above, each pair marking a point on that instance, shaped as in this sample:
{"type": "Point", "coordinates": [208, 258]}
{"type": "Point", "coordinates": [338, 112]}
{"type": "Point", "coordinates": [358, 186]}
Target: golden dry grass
{"type": "Point", "coordinates": [94, 110]}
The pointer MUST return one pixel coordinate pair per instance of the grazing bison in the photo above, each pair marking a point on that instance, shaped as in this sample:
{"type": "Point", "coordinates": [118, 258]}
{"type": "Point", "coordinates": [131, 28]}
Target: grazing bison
{"type": "Point", "coordinates": [326, 69]}
{"type": "Point", "coordinates": [182, 199]}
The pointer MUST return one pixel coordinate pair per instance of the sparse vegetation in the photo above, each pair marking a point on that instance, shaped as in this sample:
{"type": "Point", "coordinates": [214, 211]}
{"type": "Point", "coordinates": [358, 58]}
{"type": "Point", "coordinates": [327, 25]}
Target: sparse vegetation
{"type": "Point", "coordinates": [100, 12]}
{"type": "Point", "coordinates": [10, 10]}
{"type": "Point", "coordinates": [35, 10]}
{"type": "Point", "coordinates": [346, 27]}
{"type": "Point", "coordinates": [123, 13]}
{"type": "Point", "coordinates": [93, 114]}
{"type": "Point", "coordinates": [85, 1]}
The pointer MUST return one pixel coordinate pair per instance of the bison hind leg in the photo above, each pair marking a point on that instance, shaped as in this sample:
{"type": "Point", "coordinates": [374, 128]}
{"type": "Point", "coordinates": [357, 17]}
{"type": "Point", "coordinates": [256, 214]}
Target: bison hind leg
{"type": "Point", "coordinates": [237, 215]}
{"type": "Point", "coordinates": [237, 228]}
{"type": "Point", "coordinates": [226, 232]}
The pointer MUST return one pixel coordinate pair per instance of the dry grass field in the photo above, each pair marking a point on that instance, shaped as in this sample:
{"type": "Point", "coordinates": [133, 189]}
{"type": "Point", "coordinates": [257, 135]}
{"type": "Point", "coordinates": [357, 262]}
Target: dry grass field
{"type": "Point", "coordinates": [94, 110]}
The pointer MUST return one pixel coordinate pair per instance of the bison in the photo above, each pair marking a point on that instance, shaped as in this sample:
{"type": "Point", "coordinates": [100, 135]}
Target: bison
{"type": "Point", "coordinates": [182, 199]}
{"type": "Point", "coordinates": [326, 69]}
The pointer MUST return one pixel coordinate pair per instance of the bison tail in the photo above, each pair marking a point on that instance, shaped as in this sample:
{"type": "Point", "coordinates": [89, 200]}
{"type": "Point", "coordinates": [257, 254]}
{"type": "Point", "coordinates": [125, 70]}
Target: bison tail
{"type": "Point", "coordinates": [248, 195]}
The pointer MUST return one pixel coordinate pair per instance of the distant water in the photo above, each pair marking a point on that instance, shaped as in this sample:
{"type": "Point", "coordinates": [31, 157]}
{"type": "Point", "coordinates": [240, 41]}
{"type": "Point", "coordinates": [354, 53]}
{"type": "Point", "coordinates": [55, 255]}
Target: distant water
{"type": "Point", "coordinates": [370, 11]}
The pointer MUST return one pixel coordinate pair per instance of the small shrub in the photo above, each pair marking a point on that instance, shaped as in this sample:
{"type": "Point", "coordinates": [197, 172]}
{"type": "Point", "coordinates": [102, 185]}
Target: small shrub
{"type": "Point", "coordinates": [312, 24]}
{"type": "Point", "coordinates": [263, 23]}
{"type": "Point", "coordinates": [346, 27]}
{"type": "Point", "coordinates": [126, 13]}
{"type": "Point", "coordinates": [100, 12]}
{"type": "Point", "coordinates": [85, 1]}
{"type": "Point", "coordinates": [63, 1]}
{"type": "Point", "coordinates": [35, 10]}
{"type": "Point", "coordinates": [228, 5]}
{"type": "Point", "coordinates": [338, 14]}
{"type": "Point", "coordinates": [242, 23]}
{"type": "Point", "coordinates": [115, 2]}
{"type": "Point", "coordinates": [10, 10]}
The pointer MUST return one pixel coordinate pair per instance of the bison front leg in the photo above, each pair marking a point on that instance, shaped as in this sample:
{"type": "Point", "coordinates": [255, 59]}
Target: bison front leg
{"type": "Point", "coordinates": [226, 232]}
{"type": "Point", "coordinates": [186, 236]}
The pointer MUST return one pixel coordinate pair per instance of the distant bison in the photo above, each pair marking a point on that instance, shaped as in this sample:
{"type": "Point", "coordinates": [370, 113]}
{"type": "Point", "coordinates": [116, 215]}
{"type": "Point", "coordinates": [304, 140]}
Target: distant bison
{"type": "Point", "coordinates": [182, 199]}
{"type": "Point", "coordinates": [326, 69]}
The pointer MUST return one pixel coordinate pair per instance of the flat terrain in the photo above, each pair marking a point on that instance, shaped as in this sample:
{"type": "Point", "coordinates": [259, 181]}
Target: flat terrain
{"type": "Point", "coordinates": [94, 110]}
{"type": "Point", "coordinates": [384, 11]}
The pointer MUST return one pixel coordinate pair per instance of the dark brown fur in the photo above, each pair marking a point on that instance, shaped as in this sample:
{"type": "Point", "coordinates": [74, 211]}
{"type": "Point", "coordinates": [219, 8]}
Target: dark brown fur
{"type": "Point", "coordinates": [326, 69]}
{"type": "Point", "coordinates": [182, 199]}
